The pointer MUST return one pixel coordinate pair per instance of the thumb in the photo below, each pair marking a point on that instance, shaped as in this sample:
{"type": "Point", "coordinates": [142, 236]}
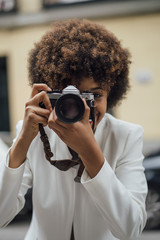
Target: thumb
{"type": "Point", "coordinates": [87, 110]}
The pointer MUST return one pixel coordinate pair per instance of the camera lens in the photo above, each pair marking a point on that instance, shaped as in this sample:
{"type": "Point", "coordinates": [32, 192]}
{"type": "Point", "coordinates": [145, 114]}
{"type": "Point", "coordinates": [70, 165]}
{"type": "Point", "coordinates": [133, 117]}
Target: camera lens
{"type": "Point", "coordinates": [69, 108]}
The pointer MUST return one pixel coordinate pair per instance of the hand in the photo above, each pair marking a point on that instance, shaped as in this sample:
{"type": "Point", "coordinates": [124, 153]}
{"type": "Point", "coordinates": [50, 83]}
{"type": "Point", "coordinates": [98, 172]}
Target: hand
{"type": "Point", "coordinates": [77, 135]}
{"type": "Point", "coordinates": [34, 114]}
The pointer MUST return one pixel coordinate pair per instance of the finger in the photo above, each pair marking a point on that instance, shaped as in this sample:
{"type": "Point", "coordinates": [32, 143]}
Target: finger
{"type": "Point", "coordinates": [60, 135]}
{"type": "Point", "coordinates": [42, 97]}
{"type": "Point", "coordinates": [87, 110]}
{"type": "Point", "coordinates": [39, 87]}
{"type": "Point", "coordinates": [54, 122]}
{"type": "Point", "coordinates": [36, 119]}
{"type": "Point", "coordinates": [32, 111]}
{"type": "Point", "coordinates": [41, 112]}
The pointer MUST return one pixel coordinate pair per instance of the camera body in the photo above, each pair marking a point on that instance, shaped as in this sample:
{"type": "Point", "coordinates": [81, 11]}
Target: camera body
{"type": "Point", "coordinates": [69, 106]}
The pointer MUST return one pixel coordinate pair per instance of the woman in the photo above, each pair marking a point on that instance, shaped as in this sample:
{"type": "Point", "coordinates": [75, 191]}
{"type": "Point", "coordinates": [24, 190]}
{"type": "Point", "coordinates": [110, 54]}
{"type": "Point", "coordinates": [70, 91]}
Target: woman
{"type": "Point", "coordinates": [109, 201]}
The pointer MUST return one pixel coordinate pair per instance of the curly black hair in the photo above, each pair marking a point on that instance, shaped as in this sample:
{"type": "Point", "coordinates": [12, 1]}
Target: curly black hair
{"type": "Point", "coordinates": [74, 49]}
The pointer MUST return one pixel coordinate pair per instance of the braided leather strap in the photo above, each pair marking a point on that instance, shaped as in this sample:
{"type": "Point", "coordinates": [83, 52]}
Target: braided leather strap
{"type": "Point", "coordinates": [64, 164]}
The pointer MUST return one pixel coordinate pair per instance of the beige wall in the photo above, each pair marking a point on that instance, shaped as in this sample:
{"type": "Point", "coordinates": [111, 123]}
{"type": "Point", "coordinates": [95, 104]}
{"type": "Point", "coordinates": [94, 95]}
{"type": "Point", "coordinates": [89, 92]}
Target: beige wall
{"type": "Point", "coordinates": [16, 45]}
{"type": "Point", "coordinates": [141, 34]}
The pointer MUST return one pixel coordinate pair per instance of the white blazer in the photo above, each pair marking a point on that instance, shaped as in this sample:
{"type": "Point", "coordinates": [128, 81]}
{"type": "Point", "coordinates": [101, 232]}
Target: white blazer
{"type": "Point", "coordinates": [107, 207]}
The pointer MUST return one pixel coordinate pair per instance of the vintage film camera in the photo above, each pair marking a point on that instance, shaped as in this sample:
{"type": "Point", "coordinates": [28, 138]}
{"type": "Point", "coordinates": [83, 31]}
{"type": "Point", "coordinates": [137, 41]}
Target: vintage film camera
{"type": "Point", "coordinates": [69, 106]}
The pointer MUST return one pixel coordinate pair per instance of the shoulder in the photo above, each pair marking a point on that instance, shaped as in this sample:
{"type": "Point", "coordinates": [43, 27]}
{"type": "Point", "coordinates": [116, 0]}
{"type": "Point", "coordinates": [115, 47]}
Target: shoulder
{"type": "Point", "coordinates": [120, 126]}
{"type": "Point", "coordinates": [111, 127]}
{"type": "Point", "coordinates": [119, 139]}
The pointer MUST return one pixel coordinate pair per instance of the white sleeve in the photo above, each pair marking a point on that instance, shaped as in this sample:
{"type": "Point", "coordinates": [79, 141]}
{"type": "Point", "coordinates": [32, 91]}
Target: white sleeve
{"type": "Point", "coordinates": [14, 183]}
{"type": "Point", "coordinates": [120, 195]}
{"type": "Point", "coordinates": [3, 150]}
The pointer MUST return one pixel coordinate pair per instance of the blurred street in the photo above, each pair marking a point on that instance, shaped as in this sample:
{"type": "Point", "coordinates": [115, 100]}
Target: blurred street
{"type": "Point", "coordinates": [136, 25]}
{"type": "Point", "coordinates": [17, 231]}
{"type": "Point", "coordinates": [150, 235]}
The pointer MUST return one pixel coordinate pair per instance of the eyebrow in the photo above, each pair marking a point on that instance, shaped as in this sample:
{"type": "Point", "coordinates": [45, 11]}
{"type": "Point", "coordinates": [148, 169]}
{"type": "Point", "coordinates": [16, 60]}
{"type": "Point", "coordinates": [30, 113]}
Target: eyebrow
{"type": "Point", "coordinates": [96, 88]}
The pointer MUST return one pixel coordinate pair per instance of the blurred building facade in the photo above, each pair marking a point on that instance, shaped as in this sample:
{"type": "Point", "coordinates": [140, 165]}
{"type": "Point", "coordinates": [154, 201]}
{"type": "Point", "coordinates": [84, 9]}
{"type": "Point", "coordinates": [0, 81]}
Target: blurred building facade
{"type": "Point", "coordinates": [137, 25]}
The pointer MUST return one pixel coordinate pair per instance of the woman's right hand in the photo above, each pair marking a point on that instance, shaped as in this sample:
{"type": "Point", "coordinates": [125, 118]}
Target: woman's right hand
{"type": "Point", "coordinates": [34, 115]}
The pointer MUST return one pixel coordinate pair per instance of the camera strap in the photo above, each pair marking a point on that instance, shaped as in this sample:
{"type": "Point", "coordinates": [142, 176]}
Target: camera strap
{"type": "Point", "coordinates": [64, 164]}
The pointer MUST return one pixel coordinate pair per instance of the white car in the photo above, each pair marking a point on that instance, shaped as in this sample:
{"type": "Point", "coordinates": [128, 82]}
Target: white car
{"type": "Point", "coordinates": [152, 172]}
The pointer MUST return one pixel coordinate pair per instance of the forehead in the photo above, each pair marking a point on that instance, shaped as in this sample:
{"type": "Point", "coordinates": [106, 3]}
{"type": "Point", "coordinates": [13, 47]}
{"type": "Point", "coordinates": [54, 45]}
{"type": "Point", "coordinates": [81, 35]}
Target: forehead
{"type": "Point", "coordinates": [88, 84]}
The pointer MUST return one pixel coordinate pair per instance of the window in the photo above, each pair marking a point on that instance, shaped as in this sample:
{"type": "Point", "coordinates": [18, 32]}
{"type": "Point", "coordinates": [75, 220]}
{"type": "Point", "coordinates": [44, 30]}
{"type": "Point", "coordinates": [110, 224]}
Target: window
{"type": "Point", "coordinates": [51, 3]}
{"type": "Point", "coordinates": [7, 6]}
{"type": "Point", "coordinates": [4, 105]}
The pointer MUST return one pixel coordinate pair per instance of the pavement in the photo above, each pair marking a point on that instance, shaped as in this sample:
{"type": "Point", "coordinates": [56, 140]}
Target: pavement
{"type": "Point", "coordinates": [17, 231]}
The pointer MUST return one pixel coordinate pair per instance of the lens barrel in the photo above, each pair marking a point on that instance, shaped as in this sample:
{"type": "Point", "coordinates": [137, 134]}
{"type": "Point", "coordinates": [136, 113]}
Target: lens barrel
{"type": "Point", "coordinates": [69, 108]}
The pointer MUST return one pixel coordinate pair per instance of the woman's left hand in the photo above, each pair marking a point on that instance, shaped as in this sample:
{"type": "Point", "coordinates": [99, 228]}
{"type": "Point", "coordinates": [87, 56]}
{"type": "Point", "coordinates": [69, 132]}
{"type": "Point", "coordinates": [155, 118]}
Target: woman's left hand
{"type": "Point", "coordinates": [79, 137]}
